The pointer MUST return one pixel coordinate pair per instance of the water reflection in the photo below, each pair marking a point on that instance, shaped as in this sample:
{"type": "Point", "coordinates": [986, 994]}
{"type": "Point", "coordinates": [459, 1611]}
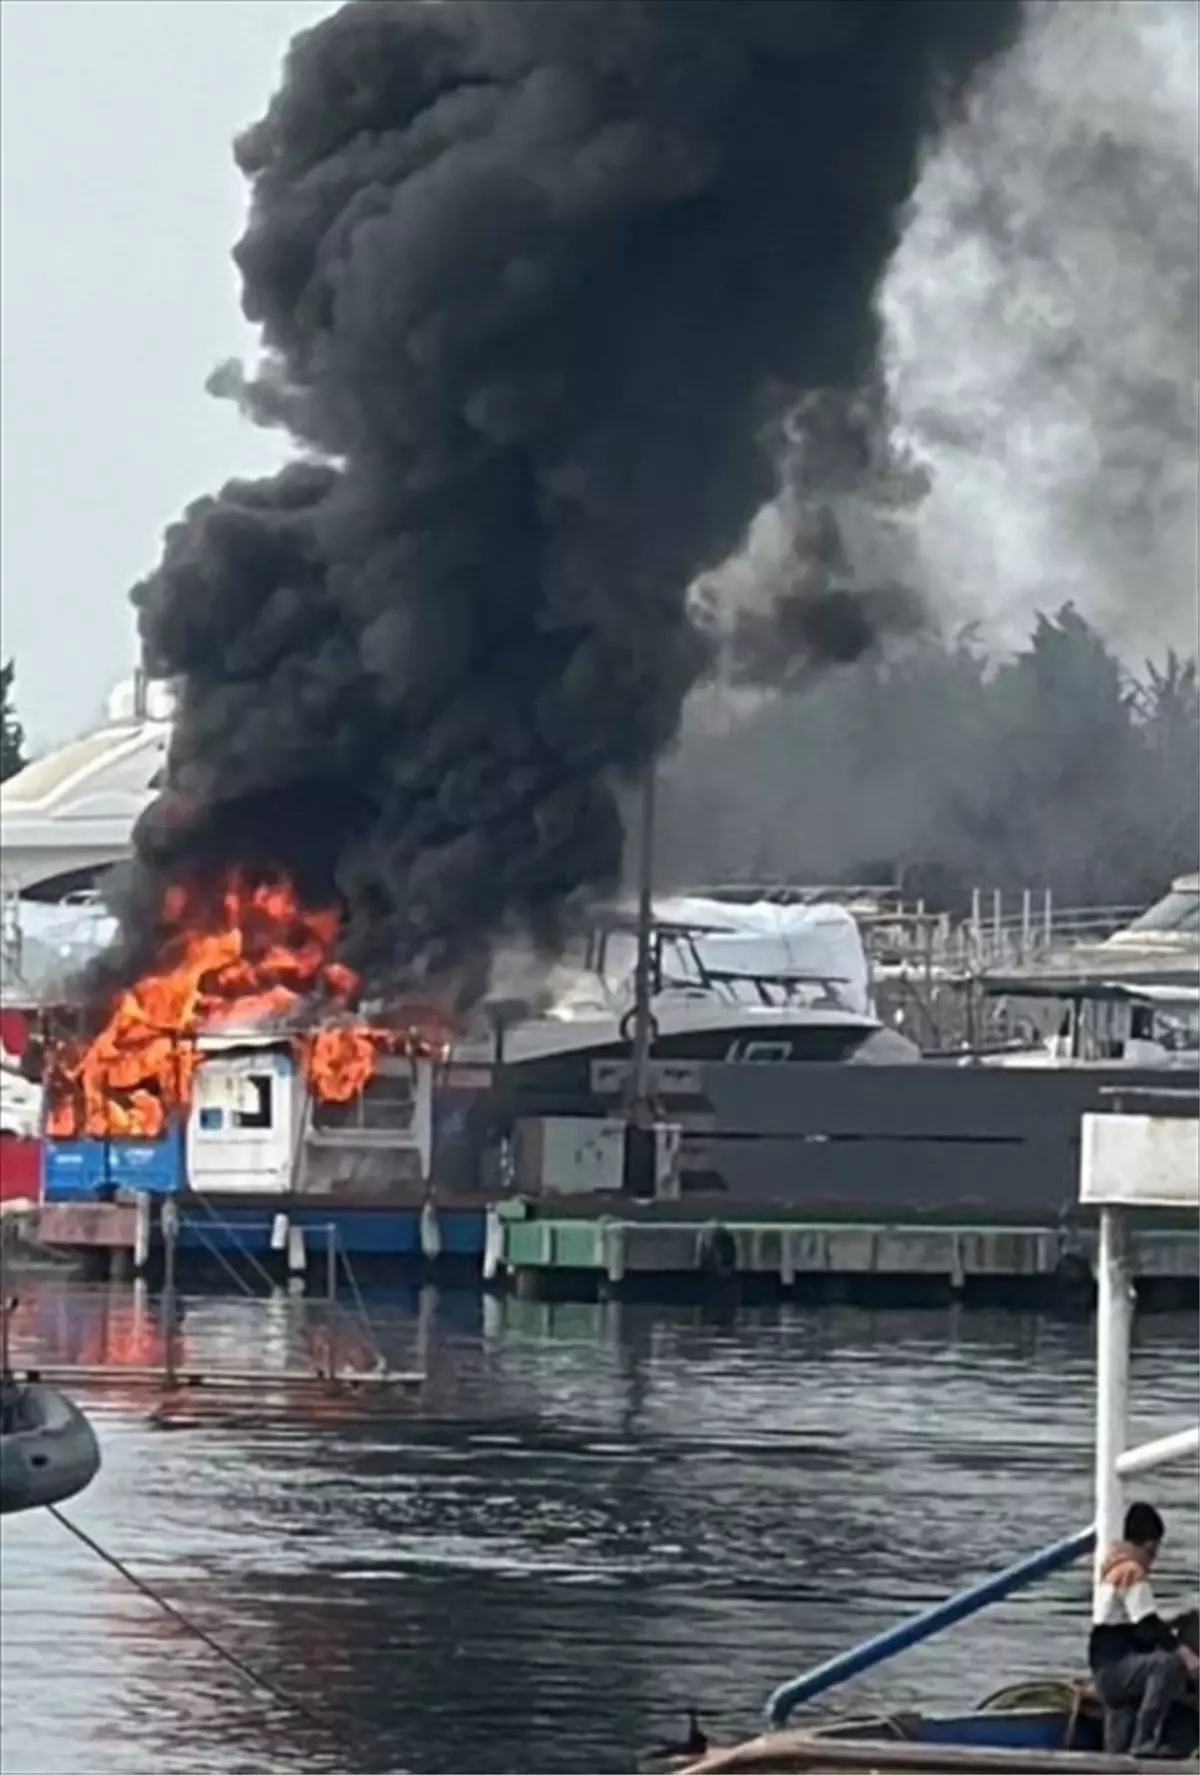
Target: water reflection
{"type": "Point", "coordinates": [589, 1517]}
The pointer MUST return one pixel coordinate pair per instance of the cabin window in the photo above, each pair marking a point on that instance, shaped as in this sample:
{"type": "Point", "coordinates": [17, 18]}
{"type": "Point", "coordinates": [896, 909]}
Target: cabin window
{"type": "Point", "coordinates": [1174, 912]}
{"type": "Point", "coordinates": [260, 1115]}
{"type": "Point", "coordinates": [386, 1106]}
{"type": "Point", "coordinates": [761, 1051]}
{"type": "Point", "coordinates": [212, 1121]}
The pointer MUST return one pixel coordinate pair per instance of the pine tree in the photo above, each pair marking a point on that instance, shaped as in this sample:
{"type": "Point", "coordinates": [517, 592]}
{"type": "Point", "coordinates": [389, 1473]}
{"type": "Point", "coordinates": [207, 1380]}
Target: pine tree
{"type": "Point", "coordinates": [12, 734]}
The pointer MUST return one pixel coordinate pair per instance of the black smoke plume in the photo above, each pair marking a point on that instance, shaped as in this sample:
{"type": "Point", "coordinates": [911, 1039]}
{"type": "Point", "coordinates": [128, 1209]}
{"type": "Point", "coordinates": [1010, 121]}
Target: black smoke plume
{"type": "Point", "coordinates": [829, 568]}
{"type": "Point", "coordinates": [532, 277]}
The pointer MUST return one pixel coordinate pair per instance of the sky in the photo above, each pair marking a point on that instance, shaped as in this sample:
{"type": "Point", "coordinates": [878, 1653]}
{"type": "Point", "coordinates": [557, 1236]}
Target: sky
{"type": "Point", "coordinates": [120, 203]}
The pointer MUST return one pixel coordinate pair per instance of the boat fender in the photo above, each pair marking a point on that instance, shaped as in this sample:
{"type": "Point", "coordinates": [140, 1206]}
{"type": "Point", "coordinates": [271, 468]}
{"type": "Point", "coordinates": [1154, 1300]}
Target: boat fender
{"type": "Point", "coordinates": [431, 1233]}
{"type": "Point", "coordinates": [1072, 1278]}
{"type": "Point", "coordinates": [626, 1026]}
{"type": "Point", "coordinates": [716, 1251]}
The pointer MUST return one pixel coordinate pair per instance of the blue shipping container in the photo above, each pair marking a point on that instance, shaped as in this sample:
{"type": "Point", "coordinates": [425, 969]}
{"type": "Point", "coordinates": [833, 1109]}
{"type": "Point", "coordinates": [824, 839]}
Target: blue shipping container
{"type": "Point", "coordinates": [76, 1170]}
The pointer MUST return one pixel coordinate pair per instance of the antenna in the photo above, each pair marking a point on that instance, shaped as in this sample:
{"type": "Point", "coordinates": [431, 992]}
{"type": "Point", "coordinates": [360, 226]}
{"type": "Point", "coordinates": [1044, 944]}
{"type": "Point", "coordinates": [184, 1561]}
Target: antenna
{"type": "Point", "coordinates": [141, 679]}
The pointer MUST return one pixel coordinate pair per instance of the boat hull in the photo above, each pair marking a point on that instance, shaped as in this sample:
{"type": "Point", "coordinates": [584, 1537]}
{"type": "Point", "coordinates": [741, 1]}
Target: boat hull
{"type": "Point", "coordinates": [1052, 1727]}
{"type": "Point", "coordinates": [818, 1139]}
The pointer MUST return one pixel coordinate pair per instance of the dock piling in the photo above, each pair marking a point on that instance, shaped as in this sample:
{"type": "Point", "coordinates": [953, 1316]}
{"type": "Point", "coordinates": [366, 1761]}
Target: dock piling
{"type": "Point", "coordinates": [170, 1237]}
{"type": "Point", "coordinates": [1114, 1327]}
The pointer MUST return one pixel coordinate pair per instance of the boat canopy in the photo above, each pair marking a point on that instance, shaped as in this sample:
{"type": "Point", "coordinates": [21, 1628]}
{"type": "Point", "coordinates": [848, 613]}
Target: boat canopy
{"type": "Point", "coordinates": [1085, 989]}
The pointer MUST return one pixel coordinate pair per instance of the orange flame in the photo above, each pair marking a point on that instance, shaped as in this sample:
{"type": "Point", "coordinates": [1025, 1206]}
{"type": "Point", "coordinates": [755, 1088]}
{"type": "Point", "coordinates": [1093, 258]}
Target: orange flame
{"type": "Point", "coordinates": [255, 956]}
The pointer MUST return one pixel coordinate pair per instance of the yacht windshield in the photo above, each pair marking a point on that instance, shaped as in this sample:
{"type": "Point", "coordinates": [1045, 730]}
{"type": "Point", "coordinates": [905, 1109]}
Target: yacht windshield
{"type": "Point", "coordinates": [1175, 912]}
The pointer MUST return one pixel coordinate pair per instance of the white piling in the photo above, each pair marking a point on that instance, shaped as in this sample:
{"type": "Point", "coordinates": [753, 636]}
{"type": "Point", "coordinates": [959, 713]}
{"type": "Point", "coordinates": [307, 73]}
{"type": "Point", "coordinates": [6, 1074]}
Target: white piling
{"type": "Point", "coordinates": [1114, 1332]}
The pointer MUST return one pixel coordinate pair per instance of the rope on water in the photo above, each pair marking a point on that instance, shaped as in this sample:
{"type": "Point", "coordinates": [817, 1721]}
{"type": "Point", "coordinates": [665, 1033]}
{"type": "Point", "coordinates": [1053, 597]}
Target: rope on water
{"type": "Point", "coordinates": [364, 1318]}
{"type": "Point", "coordinates": [326, 1721]}
{"type": "Point", "coordinates": [231, 1269]}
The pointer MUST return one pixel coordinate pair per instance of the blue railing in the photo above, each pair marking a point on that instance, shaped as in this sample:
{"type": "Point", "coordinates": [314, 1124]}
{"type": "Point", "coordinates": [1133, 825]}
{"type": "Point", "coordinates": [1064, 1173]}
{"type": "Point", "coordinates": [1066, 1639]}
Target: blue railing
{"type": "Point", "coordinates": [883, 1646]}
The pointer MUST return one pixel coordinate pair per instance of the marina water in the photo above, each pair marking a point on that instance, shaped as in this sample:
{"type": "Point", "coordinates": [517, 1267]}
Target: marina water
{"type": "Point", "coordinates": [589, 1519]}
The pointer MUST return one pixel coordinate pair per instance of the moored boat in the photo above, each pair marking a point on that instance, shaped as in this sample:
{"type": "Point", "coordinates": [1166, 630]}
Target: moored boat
{"type": "Point", "coordinates": [1140, 1159]}
{"type": "Point", "coordinates": [48, 1449]}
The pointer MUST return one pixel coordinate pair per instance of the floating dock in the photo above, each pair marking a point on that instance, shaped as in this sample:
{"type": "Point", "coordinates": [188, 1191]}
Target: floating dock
{"type": "Point", "coordinates": [544, 1254]}
{"type": "Point", "coordinates": [543, 1249]}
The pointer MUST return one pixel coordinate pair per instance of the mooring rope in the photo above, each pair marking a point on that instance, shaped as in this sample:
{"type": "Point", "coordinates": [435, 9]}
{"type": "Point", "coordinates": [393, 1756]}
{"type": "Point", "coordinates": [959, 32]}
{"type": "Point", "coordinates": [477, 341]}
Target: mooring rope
{"type": "Point", "coordinates": [328, 1722]}
{"type": "Point", "coordinates": [373, 1343]}
{"type": "Point", "coordinates": [231, 1269]}
{"type": "Point", "coordinates": [240, 1245]}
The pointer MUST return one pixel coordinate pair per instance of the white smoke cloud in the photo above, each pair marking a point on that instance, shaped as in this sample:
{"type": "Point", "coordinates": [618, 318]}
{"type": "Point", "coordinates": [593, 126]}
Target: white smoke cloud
{"type": "Point", "coordinates": [1040, 320]}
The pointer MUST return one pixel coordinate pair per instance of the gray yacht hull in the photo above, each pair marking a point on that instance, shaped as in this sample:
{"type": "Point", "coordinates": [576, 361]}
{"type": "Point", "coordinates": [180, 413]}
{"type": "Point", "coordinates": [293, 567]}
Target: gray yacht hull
{"type": "Point", "coordinates": [854, 1141]}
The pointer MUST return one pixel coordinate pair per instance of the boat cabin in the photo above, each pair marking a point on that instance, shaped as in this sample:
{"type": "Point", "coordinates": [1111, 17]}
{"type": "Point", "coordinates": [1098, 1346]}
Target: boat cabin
{"type": "Point", "coordinates": [1081, 1021]}
{"type": "Point", "coordinates": [256, 1129]}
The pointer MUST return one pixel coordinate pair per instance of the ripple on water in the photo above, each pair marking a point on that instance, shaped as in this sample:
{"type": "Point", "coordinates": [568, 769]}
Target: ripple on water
{"type": "Point", "coordinates": [581, 1526]}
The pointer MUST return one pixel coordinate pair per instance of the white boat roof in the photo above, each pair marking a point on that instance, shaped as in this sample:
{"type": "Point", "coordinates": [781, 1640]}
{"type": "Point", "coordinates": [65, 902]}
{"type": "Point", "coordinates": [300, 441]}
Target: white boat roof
{"type": "Point", "coordinates": [75, 808]}
{"type": "Point", "coordinates": [1088, 987]}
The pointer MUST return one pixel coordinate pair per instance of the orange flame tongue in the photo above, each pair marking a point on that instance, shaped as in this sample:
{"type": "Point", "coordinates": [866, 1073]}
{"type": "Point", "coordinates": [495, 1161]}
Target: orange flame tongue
{"type": "Point", "coordinates": [254, 958]}
{"type": "Point", "coordinates": [339, 1061]}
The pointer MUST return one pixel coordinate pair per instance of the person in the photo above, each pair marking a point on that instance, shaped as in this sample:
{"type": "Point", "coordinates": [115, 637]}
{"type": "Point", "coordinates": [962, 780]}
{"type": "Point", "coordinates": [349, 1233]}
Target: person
{"type": "Point", "coordinates": [1140, 1667]}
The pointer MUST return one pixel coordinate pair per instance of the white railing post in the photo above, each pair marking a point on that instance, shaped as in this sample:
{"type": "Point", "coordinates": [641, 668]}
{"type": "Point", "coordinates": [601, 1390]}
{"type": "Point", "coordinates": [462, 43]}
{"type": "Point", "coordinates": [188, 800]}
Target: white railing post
{"type": "Point", "coordinates": [1114, 1331]}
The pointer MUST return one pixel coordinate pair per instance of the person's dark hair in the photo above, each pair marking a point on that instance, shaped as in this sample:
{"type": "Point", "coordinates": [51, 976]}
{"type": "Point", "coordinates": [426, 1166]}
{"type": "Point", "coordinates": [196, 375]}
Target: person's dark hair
{"type": "Point", "coordinates": [1143, 1524]}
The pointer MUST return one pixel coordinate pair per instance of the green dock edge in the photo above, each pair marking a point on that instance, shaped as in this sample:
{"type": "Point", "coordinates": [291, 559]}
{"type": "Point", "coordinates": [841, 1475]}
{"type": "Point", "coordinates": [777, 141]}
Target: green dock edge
{"type": "Point", "coordinates": [527, 1237]}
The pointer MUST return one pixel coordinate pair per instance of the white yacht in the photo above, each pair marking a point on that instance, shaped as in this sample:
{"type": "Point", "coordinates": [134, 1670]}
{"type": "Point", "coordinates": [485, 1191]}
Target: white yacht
{"type": "Point", "coordinates": [67, 817]}
{"type": "Point", "coordinates": [729, 982]}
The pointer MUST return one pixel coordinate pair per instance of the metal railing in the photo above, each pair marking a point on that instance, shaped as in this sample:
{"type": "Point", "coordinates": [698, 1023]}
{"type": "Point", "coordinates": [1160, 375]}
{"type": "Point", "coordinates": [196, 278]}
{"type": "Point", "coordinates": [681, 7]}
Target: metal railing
{"type": "Point", "coordinates": [1003, 928]}
{"type": "Point", "coordinates": [999, 933]}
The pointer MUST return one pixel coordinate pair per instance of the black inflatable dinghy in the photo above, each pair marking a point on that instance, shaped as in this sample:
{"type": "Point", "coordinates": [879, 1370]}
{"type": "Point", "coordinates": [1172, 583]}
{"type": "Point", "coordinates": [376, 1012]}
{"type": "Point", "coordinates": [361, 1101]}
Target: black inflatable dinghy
{"type": "Point", "coordinates": [48, 1449]}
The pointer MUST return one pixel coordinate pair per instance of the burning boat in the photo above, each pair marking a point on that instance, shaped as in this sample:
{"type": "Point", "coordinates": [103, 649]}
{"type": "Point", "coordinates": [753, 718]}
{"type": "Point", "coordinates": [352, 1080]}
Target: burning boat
{"type": "Point", "coordinates": [243, 1070]}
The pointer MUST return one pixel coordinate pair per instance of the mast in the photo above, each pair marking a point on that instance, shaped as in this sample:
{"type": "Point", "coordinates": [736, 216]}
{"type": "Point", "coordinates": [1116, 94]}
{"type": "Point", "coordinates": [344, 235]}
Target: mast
{"type": "Point", "coordinates": [643, 1025]}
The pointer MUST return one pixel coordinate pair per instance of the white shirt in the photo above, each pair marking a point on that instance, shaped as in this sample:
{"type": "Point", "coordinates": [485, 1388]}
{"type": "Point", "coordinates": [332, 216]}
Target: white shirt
{"type": "Point", "coordinates": [1123, 1596]}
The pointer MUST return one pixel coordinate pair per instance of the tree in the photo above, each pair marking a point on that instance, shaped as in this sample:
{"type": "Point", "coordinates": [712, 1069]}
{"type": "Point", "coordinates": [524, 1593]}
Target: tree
{"type": "Point", "coordinates": [12, 734]}
{"type": "Point", "coordinates": [948, 770]}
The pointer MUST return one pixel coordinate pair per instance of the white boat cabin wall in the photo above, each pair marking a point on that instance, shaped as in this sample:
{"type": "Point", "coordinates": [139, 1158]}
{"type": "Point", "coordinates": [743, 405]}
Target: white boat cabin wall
{"type": "Point", "coordinates": [255, 1128]}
